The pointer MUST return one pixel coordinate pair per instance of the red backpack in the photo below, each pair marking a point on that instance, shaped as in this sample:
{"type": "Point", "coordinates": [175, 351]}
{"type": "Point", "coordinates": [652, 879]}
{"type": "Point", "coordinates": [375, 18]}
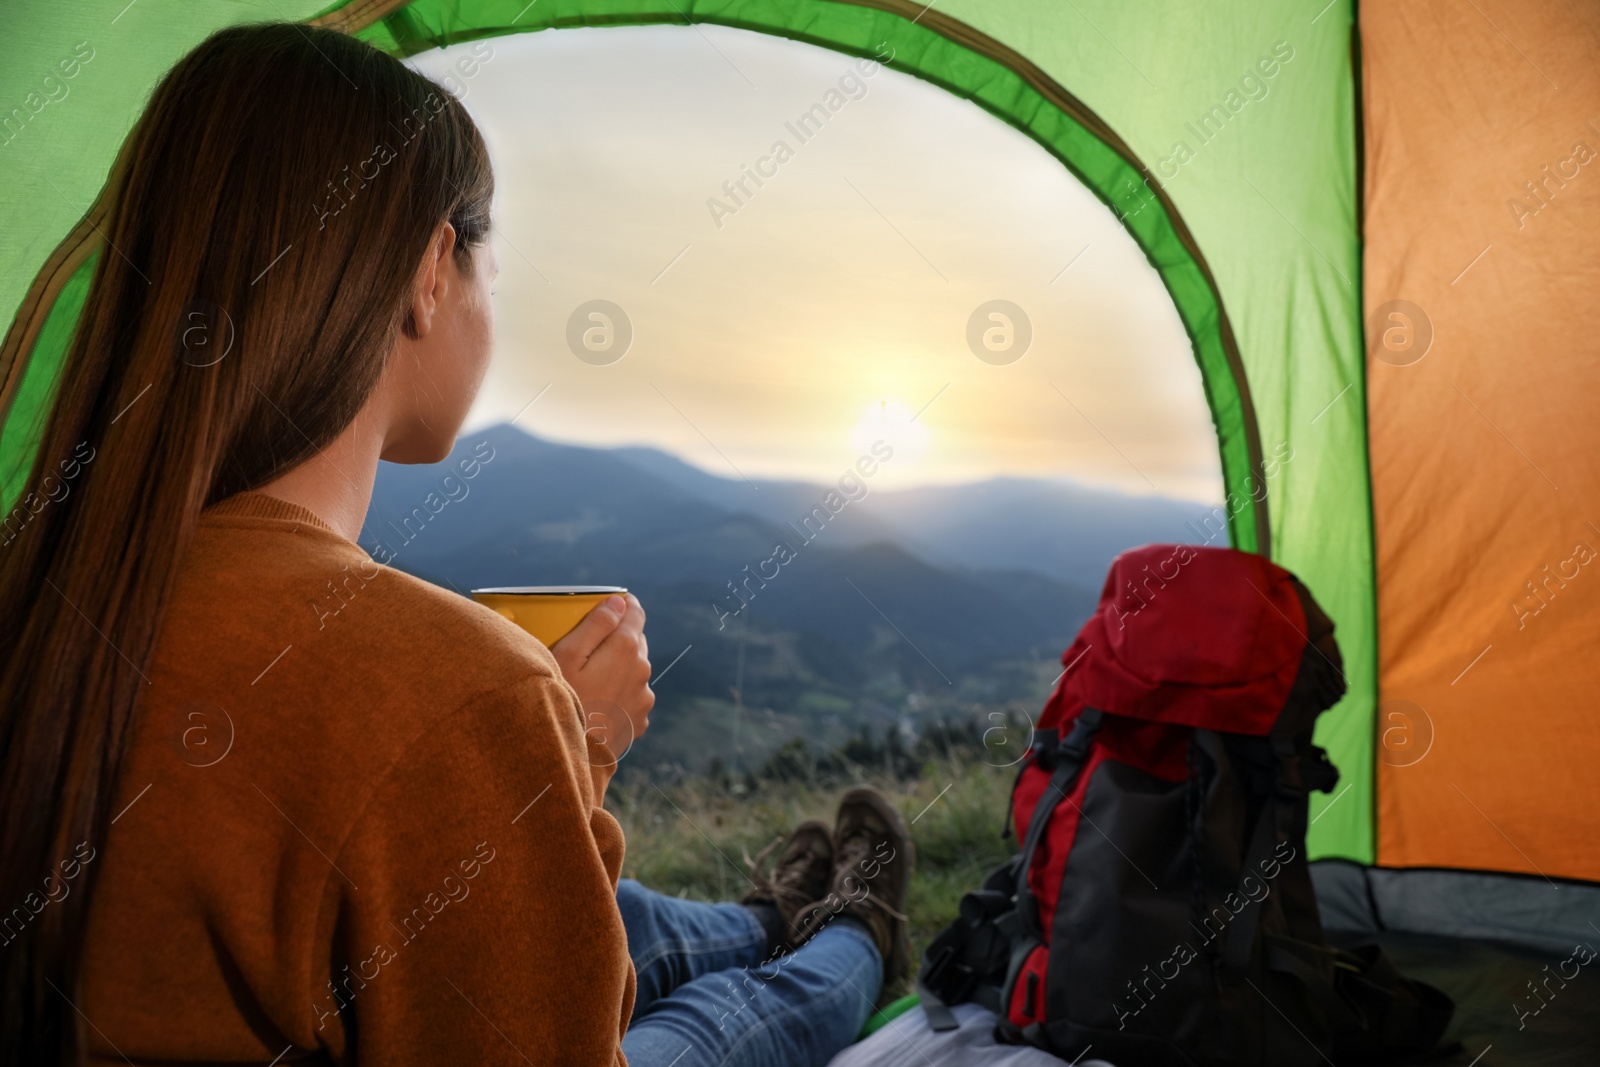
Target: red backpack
{"type": "Point", "coordinates": [1160, 910]}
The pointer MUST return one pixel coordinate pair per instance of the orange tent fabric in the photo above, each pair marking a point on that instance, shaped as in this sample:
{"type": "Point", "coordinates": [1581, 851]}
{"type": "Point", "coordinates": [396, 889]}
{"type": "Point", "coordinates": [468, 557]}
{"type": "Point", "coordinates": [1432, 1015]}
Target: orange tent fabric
{"type": "Point", "coordinates": [1482, 134]}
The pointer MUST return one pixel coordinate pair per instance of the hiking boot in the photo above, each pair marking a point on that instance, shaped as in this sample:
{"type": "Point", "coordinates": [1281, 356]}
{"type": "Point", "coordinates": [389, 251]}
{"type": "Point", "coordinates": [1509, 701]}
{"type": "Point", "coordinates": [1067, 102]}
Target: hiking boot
{"type": "Point", "coordinates": [799, 878]}
{"type": "Point", "coordinates": [872, 860]}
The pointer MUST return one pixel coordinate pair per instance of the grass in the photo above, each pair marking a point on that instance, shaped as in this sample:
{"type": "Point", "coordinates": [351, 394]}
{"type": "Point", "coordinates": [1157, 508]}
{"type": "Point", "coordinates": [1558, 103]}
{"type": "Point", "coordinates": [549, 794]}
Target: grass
{"type": "Point", "coordinates": [689, 839]}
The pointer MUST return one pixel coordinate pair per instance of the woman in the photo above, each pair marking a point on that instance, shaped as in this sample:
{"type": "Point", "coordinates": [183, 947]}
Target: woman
{"type": "Point", "coordinates": [241, 827]}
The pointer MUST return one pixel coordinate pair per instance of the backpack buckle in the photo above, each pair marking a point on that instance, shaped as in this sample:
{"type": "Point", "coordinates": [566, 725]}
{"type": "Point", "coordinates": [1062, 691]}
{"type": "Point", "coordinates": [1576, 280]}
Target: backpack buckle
{"type": "Point", "coordinates": [1042, 750]}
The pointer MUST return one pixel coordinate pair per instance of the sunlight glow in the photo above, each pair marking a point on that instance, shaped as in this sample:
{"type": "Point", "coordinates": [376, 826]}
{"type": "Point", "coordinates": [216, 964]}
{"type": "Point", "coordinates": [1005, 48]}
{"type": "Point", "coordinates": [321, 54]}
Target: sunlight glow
{"type": "Point", "coordinates": [851, 279]}
{"type": "Point", "coordinates": [891, 421]}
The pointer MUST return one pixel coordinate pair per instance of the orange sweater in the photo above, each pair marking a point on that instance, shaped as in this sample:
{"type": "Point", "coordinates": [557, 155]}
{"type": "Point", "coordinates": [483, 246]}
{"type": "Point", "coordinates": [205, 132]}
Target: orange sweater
{"type": "Point", "coordinates": [357, 813]}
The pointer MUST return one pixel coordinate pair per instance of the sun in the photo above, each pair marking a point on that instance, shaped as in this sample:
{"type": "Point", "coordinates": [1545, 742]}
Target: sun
{"type": "Point", "coordinates": [891, 421]}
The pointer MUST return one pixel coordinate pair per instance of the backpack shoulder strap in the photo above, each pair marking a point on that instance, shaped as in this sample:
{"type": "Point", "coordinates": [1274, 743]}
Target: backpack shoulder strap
{"type": "Point", "coordinates": [1069, 757]}
{"type": "Point", "coordinates": [978, 955]}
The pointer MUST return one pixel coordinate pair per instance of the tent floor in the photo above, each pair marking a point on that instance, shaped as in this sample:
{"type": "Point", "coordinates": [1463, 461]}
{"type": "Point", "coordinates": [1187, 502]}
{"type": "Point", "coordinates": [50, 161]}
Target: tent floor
{"type": "Point", "coordinates": [1489, 982]}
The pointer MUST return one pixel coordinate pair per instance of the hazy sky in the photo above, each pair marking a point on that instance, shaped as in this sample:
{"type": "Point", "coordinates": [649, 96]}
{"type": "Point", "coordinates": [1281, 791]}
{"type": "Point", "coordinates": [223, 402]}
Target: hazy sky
{"type": "Point", "coordinates": [778, 333]}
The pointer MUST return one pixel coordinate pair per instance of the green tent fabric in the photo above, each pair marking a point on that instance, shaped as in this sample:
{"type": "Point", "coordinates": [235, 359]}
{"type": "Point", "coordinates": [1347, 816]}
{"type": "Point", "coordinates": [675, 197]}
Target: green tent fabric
{"type": "Point", "coordinates": [58, 139]}
{"type": "Point", "coordinates": [1223, 137]}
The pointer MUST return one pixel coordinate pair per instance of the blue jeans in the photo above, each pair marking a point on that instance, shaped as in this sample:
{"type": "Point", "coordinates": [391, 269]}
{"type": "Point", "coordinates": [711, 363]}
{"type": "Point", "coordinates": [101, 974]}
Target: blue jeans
{"type": "Point", "coordinates": [708, 996]}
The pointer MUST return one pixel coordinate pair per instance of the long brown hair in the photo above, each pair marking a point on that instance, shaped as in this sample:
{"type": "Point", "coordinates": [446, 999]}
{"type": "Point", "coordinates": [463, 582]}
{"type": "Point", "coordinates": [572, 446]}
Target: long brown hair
{"type": "Point", "coordinates": [271, 211]}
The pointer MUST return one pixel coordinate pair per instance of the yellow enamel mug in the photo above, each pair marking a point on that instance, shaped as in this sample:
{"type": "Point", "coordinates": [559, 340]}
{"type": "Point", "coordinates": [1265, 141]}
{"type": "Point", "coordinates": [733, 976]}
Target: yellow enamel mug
{"type": "Point", "coordinates": [548, 612]}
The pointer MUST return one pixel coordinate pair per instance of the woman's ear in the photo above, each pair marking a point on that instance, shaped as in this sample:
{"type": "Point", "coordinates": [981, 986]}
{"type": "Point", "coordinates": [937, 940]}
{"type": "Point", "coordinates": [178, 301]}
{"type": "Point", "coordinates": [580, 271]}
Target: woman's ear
{"type": "Point", "coordinates": [433, 282]}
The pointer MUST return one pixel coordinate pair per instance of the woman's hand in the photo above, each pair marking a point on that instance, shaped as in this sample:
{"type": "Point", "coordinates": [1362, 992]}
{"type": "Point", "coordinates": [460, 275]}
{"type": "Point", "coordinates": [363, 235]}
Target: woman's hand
{"type": "Point", "coordinates": [607, 662]}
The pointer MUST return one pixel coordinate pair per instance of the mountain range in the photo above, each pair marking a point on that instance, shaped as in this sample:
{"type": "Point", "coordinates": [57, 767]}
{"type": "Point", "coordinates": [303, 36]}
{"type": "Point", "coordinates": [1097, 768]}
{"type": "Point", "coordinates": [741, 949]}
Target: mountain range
{"type": "Point", "coordinates": [937, 597]}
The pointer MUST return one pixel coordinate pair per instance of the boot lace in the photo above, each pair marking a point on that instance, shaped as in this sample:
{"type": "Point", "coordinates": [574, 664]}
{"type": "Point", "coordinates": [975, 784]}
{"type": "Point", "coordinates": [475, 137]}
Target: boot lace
{"type": "Point", "coordinates": [773, 886]}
